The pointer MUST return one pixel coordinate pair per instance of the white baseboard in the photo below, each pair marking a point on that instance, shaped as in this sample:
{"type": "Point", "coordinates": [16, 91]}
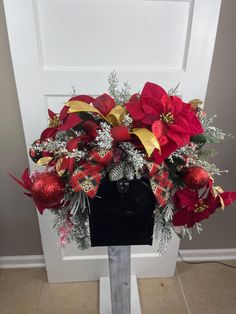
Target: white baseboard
{"type": "Point", "coordinates": [208, 255]}
{"type": "Point", "coordinates": [22, 261]}
{"type": "Point", "coordinates": [31, 261]}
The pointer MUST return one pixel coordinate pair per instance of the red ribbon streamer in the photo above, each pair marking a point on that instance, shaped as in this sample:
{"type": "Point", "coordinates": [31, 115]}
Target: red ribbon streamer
{"type": "Point", "coordinates": [87, 177]}
{"type": "Point", "coordinates": [160, 182]}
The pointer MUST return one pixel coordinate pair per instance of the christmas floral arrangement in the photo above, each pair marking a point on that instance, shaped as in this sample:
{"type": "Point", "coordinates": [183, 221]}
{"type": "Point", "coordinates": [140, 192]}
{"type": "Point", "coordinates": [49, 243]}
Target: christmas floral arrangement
{"type": "Point", "coordinates": [153, 135]}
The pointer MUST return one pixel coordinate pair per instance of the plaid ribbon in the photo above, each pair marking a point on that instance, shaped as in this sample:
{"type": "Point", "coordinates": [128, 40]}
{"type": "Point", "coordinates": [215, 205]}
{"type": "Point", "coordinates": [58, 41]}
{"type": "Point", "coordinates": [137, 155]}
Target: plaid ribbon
{"type": "Point", "coordinates": [160, 182]}
{"type": "Point", "coordinates": [88, 176]}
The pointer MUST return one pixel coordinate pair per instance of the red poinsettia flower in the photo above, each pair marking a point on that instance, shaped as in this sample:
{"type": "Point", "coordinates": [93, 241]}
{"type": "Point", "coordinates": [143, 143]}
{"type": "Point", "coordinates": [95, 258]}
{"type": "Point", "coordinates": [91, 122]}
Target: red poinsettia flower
{"type": "Point", "coordinates": [193, 209]}
{"type": "Point", "coordinates": [171, 120]}
{"type": "Point", "coordinates": [63, 121]}
{"type": "Point", "coordinates": [57, 124]}
{"type": "Point", "coordinates": [52, 130]}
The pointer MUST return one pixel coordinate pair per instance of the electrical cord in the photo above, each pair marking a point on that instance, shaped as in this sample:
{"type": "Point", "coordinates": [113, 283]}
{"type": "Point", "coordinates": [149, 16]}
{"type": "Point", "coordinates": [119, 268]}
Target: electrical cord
{"type": "Point", "coordinates": [206, 262]}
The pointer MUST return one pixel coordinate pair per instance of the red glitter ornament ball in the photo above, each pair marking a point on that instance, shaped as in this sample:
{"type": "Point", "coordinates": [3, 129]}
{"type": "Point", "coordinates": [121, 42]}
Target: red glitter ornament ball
{"type": "Point", "coordinates": [47, 189]}
{"type": "Point", "coordinates": [196, 177]}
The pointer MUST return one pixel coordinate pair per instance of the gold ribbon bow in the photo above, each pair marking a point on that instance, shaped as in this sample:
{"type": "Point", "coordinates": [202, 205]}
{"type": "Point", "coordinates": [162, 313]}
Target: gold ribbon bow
{"type": "Point", "coordinates": [115, 118]}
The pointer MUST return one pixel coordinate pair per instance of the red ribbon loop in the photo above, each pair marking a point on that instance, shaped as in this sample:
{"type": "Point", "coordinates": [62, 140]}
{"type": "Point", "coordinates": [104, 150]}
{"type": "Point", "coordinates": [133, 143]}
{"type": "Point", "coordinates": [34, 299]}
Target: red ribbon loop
{"type": "Point", "coordinates": [120, 133]}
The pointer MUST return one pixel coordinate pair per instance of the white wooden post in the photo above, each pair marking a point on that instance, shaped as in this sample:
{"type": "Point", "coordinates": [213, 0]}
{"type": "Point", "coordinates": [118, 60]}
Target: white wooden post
{"type": "Point", "coordinates": [119, 292]}
{"type": "Point", "coordinates": [120, 275]}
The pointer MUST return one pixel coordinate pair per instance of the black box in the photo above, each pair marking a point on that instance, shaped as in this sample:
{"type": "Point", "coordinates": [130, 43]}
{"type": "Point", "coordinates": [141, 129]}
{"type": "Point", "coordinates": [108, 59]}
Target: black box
{"type": "Point", "coordinates": [122, 218]}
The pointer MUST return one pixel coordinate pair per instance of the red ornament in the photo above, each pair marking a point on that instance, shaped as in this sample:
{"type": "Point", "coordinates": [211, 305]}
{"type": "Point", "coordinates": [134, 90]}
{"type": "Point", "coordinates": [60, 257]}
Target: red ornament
{"type": "Point", "coordinates": [196, 177]}
{"type": "Point", "coordinates": [47, 189]}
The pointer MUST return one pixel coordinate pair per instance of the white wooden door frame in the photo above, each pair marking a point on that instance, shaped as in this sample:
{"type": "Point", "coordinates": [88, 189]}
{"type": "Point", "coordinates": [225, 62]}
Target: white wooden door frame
{"type": "Point", "coordinates": [40, 82]}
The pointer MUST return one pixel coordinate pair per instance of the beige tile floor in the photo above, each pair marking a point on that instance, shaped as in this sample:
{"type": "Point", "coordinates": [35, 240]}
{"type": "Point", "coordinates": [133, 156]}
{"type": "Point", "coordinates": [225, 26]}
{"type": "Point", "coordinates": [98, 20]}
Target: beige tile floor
{"type": "Point", "coordinates": [196, 289]}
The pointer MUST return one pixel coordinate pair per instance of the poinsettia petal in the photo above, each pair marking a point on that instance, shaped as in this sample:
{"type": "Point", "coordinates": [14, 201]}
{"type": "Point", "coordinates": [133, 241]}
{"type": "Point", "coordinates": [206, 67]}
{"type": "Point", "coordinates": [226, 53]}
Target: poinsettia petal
{"type": "Point", "coordinates": [163, 140]}
{"type": "Point", "coordinates": [48, 133]}
{"type": "Point", "coordinates": [228, 197]}
{"type": "Point", "coordinates": [135, 110]}
{"type": "Point", "coordinates": [73, 143]}
{"type": "Point", "coordinates": [199, 216]}
{"type": "Point", "coordinates": [26, 178]}
{"type": "Point", "coordinates": [152, 90]}
{"type": "Point", "coordinates": [149, 119]}
{"type": "Point", "coordinates": [91, 128]}
{"type": "Point", "coordinates": [85, 98]}
{"type": "Point", "coordinates": [173, 131]}
{"type": "Point", "coordinates": [213, 203]}
{"type": "Point", "coordinates": [104, 104]}
{"type": "Point", "coordinates": [186, 198]}
{"type": "Point", "coordinates": [195, 126]}
{"type": "Point", "coordinates": [71, 121]}
{"type": "Point", "coordinates": [134, 97]}
{"type": "Point", "coordinates": [51, 114]}
{"type": "Point", "coordinates": [21, 183]}
{"type": "Point", "coordinates": [179, 138]}
{"type": "Point", "coordinates": [151, 105]}
{"type": "Point", "coordinates": [147, 109]}
{"type": "Point", "coordinates": [158, 128]}
{"type": "Point", "coordinates": [177, 104]}
{"type": "Point", "coordinates": [182, 217]}
{"type": "Point", "coordinates": [166, 104]}
{"type": "Point", "coordinates": [63, 113]}
{"type": "Point", "coordinates": [180, 124]}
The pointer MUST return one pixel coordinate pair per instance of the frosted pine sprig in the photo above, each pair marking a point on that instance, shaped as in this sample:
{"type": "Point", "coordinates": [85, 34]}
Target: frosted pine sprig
{"type": "Point", "coordinates": [104, 138]}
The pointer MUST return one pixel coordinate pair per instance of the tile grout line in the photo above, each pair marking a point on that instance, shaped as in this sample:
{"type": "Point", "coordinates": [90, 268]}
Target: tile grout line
{"type": "Point", "coordinates": [182, 289]}
{"type": "Point", "coordinates": [40, 293]}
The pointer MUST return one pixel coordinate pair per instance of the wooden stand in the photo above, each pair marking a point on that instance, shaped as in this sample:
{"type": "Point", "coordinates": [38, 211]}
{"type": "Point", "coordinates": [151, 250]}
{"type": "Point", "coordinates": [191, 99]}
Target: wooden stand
{"type": "Point", "coordinates": [119, 265]}
{"type": "Point", "coordinates": [119, 295]}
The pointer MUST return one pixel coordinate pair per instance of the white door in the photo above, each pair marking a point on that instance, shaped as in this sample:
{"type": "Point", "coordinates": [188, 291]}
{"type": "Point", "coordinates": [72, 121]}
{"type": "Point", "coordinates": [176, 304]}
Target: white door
{"type": "Point", "coordinates": [59, 43]}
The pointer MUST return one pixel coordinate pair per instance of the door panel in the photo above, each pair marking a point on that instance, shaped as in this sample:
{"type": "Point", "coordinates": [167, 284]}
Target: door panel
{"type": "Point", "coordinates": [112, 33]}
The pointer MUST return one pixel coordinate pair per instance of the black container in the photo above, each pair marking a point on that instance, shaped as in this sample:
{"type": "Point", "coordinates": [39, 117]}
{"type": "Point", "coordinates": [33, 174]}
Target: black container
{"type": "Point", "coordinates": [122, 214]}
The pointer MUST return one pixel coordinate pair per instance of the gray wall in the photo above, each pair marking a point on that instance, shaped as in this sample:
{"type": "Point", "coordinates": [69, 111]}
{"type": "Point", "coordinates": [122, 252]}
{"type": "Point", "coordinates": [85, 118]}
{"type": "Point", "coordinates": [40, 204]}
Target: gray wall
{"type": "Point", "coordinates": [219, 230]}
{"type": "Point", "coordinates": [19, 232]}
